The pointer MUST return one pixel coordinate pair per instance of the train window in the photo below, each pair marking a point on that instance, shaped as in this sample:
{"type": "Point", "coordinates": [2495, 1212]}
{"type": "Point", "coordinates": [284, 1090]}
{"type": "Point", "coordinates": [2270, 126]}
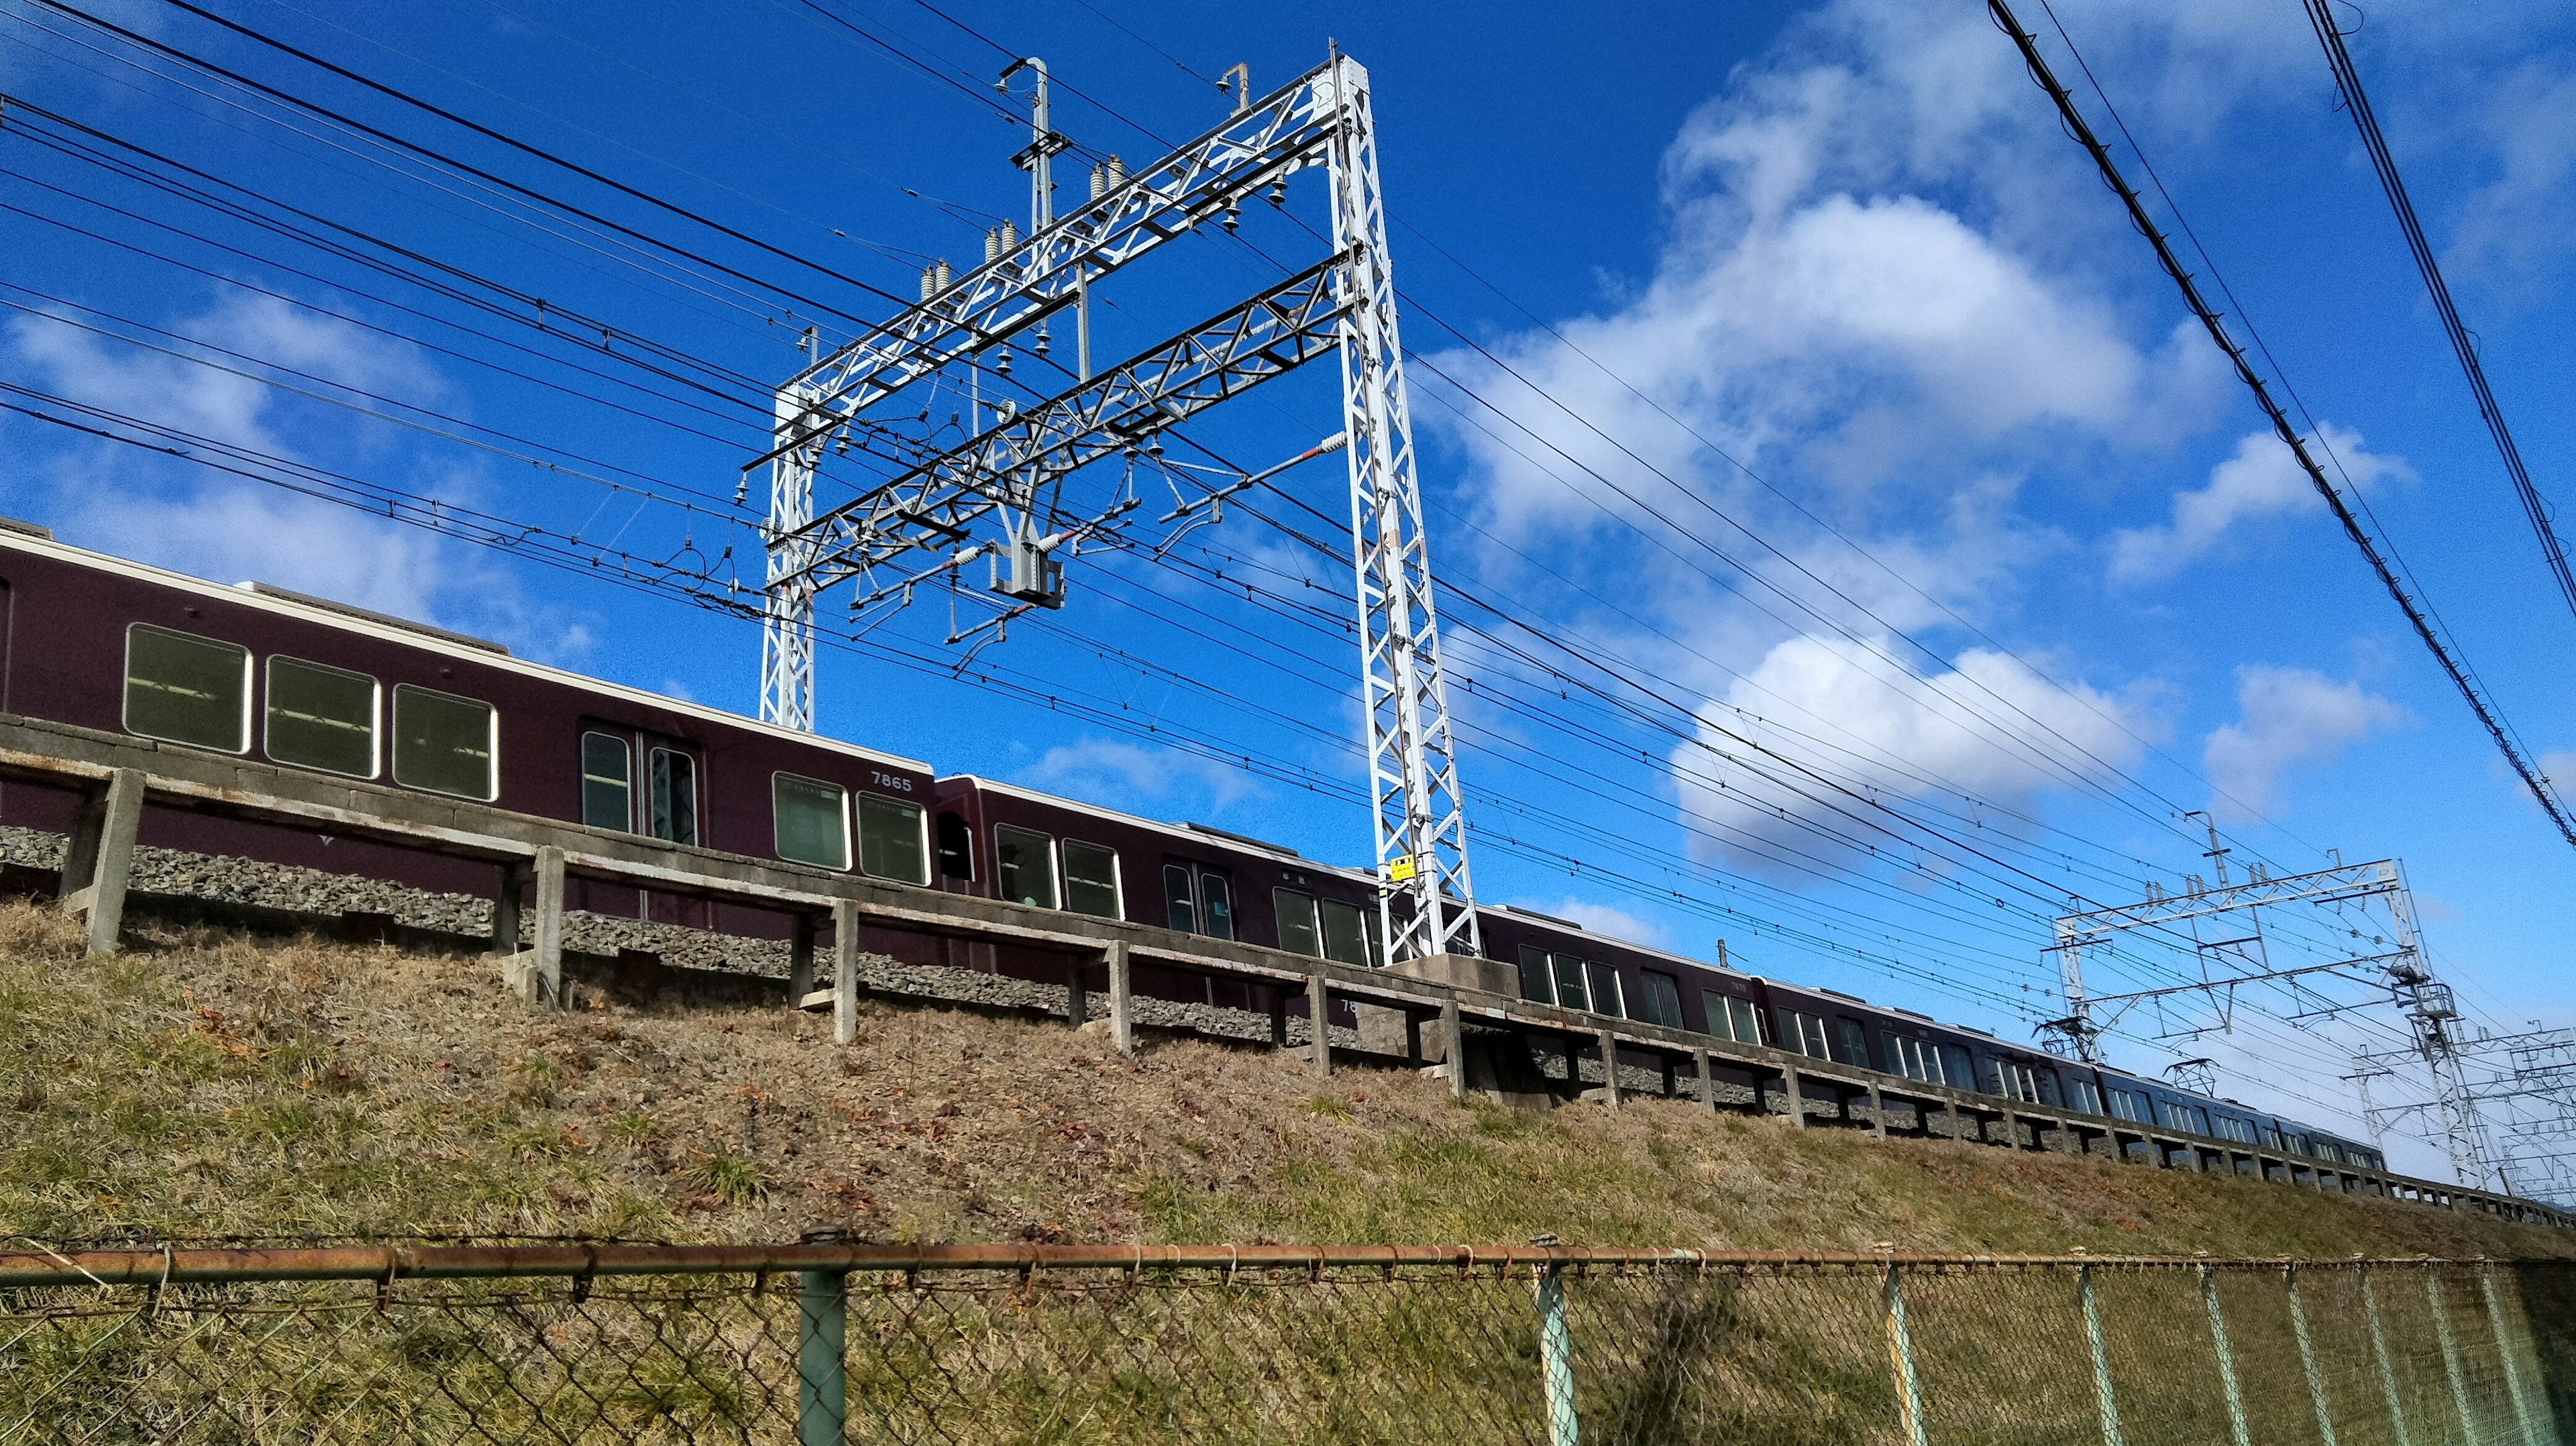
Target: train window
{"type": "Point", "coordinates": [2012, 1081]}
{"type": "Point", "coordinates": [1917, 1059]}
{"type": "Point", "coordinates": [809, 820]}
{"type": "Point", "coordinates": [1955, 1069]}
{"type": "Point", "coordinates": [2199, 1120]}
{"type": "Point", "coordinates": [1607, 996]}
{"type": "Point", "coordinates": [2088, 1096]}
{"type": "Point", "coordinates": [1216, 905]}
{"type": "Point", "coordinates": [2271, 1137]}
{"type": "Point", "coordinates": [608, 782]}
{"type": "Point", "coordinates": [1535, 984]}
{"type": "Point", "coordinates": [1806, 1033]}
{"type": "Point", "coordinates": [1091, 880]}
{"type": "Point", "coordinates": [321, 717]}
{"type": "Point", "coordinates": [2046, 1079]}
{"type": "Point", "coordinates": [1729, 1017]}
{"type": "Point", "coordinates": [1571, 991]}
{"type": "Point", "coordinates": [2128, 1105]}
{"type": "Point", "coordinates": [444, 743]}
{"type": "Point", "coordinates": [186, 689]}
{"type": "Point", "coordinates": [675, 796]}
{"type": "Point", "coordinates": [956, 848]}
{"type": "Point", "coordinates": [1663, 1001]}
{"type": "Point", "coordinates": [890, 841]}
{"type": "Point", "coordinates": [1298, 933]}
{"type": "Point", "coordinates": [1346, 934]}
{"type": "Point", "coordinates": [1024, 862]}
{"type": "Point", "coordinates": [1180, 899]}
{"type": "Point", "coordinates": [2298, 1144]}
{"type": "Point", "coordinates": [1855, 1042]}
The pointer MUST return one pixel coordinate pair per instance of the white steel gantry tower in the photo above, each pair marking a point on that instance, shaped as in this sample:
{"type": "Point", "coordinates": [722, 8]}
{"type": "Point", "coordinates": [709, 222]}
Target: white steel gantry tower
{"type": "Point", "coordinates": [1010, 474]}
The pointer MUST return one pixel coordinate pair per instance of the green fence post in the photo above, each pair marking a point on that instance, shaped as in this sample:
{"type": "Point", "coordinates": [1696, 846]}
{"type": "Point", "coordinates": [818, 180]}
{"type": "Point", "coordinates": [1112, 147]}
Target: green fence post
{"type": "Point", "coordinates": [1556, 1359]}
{"type": "Point", "coordinates": [2504, 1350]}
{"type": "Point", "coordinates": [2101, 1357]}
{"type": "Point", "coordinates": [2226, 1359]}
{"type": "Point", "coordinates": [1900, 1351]}
{"type": "Point", "coordinates": [2308, 1357]}
{"type": "Point", "coordinates": [822, 1328]}
{"type": "Point", "coordinates": [2379, 1348]}
{"type": "Point", "coordinates": [2450, 1351]}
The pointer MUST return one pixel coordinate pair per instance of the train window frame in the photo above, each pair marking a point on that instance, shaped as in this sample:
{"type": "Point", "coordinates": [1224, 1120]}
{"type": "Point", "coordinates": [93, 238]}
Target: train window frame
{"type": "Point", "coordinates": [1010, 875]}
{"type": "Point", "coordinates": [375, 716]}
{"type": "Point", "coordinates": [1216, 903]}
{"type": "Point", "coordinates": [2088, 1096]}
{"type": "Point", "coordinates": [125, 708]}
{"type": "Point", "coordinates": [492, 742]}
{"type": "Point", "coordinates": [1536, 968]}
{"type": "Point", "coordinates": [2012, 1080]}
{"type": "Point", "coordinates": [1116, 882]}
{"type": "Point", "coordinates": [920, 836]}
{"type": "Point", "coordinates": [2272, 1138]}
{"type": "Point", "coordinates": [1917, 1059]}
{"type": "Point", "coordinates": [1855, 1041]}
{"type": "Point", "coordinates": [1181, 898]}
{"type": "Point", "coordinates": [1662, 998]}
{"type": "Point", "coordinates": [1806, 1034]}
{"type": "Point", "coordinates": [659, 777]}
{"type": "Point", "coordinates": [1295, 910]}
{"type": "Point", "coordinates": [1363, 930]}
{"type": "Point", "coordinates": [1564, 969]}
{"type": "Point", "coordinates": [624, 783]}
{"type": "Point", "coordinates": [778, 815]}
{"type": "Point", "coordinates": [1597, 974]}
{"type": "Point", "coordinates": [963, 850]}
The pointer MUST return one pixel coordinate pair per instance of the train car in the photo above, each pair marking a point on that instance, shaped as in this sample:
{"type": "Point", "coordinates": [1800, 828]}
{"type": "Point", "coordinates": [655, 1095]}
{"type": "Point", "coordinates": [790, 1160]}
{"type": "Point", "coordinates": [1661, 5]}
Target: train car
{"type": "Point", "coordinates": [1001, 841]}
{"type": "Point", "coordinates": [260, 672]}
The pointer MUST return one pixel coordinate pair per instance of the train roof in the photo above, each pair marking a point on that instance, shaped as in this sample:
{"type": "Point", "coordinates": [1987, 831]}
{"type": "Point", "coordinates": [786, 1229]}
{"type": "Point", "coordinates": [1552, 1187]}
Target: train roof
{"type": "Point", "coordinates": [1192, 832]}
{"type": "Point", "coordinates": [267, 598]}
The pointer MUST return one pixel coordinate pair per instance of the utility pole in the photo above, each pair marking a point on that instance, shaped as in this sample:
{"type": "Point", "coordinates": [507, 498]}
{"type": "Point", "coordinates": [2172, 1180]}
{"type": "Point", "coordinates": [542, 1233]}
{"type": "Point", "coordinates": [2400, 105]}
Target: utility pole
{"type": "Point", "coordinates": [1003, 493]}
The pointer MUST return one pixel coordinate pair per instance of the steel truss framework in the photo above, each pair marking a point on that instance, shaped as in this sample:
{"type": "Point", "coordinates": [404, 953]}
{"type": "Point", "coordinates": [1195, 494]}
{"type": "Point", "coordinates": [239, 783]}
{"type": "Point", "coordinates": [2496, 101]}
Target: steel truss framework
{"type": "Point", "coordinates": [1321, 119]}
{"type": "Point", "coordinates": [2521, 1091]}
{"type": "Point", "coordinates": [2238, 957]}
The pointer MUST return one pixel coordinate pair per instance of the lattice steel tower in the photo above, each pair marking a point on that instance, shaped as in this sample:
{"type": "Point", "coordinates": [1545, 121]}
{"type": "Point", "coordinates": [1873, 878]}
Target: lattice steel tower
{"type": "Point", "coordinates": [1008, 478]}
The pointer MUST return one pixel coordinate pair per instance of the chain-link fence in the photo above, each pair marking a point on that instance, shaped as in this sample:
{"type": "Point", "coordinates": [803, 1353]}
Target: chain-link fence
{"type": "Point", "coordinates": [825, 1342]}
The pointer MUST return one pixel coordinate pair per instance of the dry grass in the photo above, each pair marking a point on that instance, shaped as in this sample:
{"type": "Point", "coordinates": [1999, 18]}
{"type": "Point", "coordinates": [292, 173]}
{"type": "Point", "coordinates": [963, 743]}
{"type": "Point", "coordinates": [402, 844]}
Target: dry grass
{"type": "Point", "coordinates": [213, 1084]}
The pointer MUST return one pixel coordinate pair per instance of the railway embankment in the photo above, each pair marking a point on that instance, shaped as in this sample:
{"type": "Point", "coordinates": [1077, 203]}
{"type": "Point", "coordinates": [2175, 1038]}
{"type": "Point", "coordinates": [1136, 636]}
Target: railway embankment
{"type": "Point", "coordinates": [221, 1080]}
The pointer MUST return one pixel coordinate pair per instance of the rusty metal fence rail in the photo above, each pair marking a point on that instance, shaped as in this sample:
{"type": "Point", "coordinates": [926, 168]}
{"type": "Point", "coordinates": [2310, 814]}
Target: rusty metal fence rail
{"type": "Point", "coordinates": [824, 1342]}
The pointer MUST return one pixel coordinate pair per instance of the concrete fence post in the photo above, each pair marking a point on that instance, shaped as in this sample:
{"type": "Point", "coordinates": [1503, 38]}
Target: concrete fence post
{"type": "Point", "coordinates": [98, 860]}
{"type": "Point", "coordinates": [2105, 1402]}
{"type": "Point", "coordinates": [2450, 1352]}
{"type": "Point", "coordinates": [800, 959]}
{"type": "Point", "coordinates": [1707, 1080]}
{"type": "Point", "coordinates": [1797, 1095]}
{"type": "Point", "coordinates": [505, 909]}
{"type": "Point", "coordinates": [822, 1364]}
{"type": "Point", "coordinates": [544, 981]}
{"type": "Point", "coordinates": [2308, 1356]}
{"type": "Point", "coordinates": [1077, 991]}
{"type": "Point", "coordinates": [1319, 1025]}
{"type": "Point", "coordinates": [1877, 1113]}
{"type": "Point", "coordinates": [2505, 1352]}
{"type": "Point", "coordinates": [1556, 1359]}
{"type": "Point", "coordinates": [2236, 1423]}
{"type": "Point", "coordinates": [1453, 1046]}
{"type": "Point", "coordinates": [1122, 1000]}
{"type": "Point", "coordinates": [2379, 1349]}
{"type": "Point", "coordinates": [1609, 1067]}
{"type": "Point", "coordinates": [845, 971]}
{"type": "Point", "coordinates": [1900, 1355]}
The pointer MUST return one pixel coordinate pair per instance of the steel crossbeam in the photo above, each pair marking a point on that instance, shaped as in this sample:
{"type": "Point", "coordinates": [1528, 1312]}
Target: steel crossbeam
{"type": "Point", "coordinates": [1013, 461]}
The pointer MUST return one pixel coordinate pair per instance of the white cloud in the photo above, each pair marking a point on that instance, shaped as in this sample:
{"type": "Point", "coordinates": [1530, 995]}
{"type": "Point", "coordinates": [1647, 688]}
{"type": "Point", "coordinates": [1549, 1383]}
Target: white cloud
{"type": "Point", "coordinates": [2286, 717]}
{"type": "Point", "coordinates": [2261, 479]}
{"type": "Point", "coordinates": [1119, 774]}
{"type": "Point", "coordinates": [228, 529]}
{"type": "Point", "coordinates": [2512, 227]}
{"type": "Point", "coordinates": [1599, 919]}
{"type": "Point", "coordinates": [1983, 740]}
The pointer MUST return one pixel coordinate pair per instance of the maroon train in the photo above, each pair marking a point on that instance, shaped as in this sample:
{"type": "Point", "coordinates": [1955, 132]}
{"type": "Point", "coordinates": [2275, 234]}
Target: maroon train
{"type": "Point", "coordinates": [257, 671]}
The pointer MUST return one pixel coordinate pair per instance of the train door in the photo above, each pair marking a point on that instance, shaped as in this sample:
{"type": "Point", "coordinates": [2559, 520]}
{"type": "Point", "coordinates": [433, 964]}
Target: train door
{"type": "Point", "coordinates": [641, 782]}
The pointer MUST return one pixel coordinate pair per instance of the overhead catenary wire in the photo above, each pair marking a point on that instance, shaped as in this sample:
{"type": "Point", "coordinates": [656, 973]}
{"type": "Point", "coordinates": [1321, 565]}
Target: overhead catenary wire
{"type": "Point", "coordinates": [2370, 549]}
{"type": "Point", "coordinates": [2463, 345]}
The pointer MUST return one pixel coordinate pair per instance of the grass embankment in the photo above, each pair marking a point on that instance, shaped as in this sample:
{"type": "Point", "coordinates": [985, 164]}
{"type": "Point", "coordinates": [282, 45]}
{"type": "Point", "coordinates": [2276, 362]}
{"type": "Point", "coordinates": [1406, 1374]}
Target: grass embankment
{"type": "Point", "coordinates": [214, 1084]}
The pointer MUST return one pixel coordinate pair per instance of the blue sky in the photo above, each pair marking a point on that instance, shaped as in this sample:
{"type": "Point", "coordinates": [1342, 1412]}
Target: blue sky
{"type": "Point", "coordinates": [1789, 360]}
